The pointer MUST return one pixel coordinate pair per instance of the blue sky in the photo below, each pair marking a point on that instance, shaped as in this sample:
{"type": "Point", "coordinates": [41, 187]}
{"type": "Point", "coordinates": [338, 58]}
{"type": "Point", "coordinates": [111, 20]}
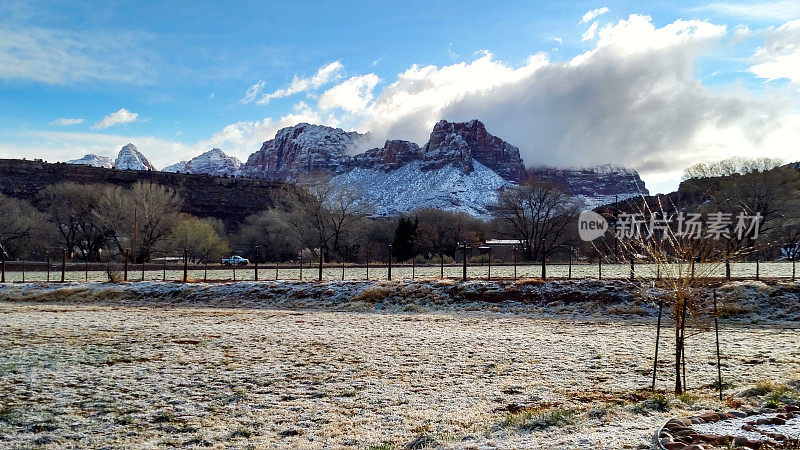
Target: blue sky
{"type": "Point", "coordinates": [651, 85]}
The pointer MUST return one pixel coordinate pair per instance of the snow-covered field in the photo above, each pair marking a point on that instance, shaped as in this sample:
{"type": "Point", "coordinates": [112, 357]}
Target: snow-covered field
{"type": "Point", "coordinates": [359, 364]}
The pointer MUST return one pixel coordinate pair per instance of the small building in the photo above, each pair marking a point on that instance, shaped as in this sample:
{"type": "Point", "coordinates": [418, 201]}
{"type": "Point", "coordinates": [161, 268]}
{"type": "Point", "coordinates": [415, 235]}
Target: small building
{"type": "Point", "coordinates": [502, 249]}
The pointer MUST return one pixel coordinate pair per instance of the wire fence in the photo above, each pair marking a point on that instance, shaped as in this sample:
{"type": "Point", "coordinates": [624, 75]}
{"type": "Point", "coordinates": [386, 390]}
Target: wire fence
{"type": "Point", "coordinates": [65, 271]}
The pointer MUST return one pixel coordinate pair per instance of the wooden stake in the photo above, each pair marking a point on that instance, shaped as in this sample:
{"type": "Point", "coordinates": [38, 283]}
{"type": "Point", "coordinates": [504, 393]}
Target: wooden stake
{"type": "Point", "coordinates": [658, 337]}
{"type": "Point", "coordinates": [716, 330]}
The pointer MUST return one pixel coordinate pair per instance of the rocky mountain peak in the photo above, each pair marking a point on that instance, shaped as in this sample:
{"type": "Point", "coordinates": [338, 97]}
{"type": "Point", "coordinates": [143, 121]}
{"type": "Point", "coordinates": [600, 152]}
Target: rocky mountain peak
{"type": "Point", "coordinates": [461, 143]}
{"type": "Point", "coordinates": [303, 148]}
{"type": "Point", "coordinates": [129, 158]}
{"type": "Point", "coordinates": [213, 162]}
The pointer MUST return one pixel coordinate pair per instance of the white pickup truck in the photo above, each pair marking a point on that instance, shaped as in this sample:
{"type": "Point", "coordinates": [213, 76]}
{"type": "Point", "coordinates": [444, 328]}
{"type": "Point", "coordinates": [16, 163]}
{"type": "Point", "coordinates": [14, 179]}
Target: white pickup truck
{"type": "Point", "coordinates": [235, 260]}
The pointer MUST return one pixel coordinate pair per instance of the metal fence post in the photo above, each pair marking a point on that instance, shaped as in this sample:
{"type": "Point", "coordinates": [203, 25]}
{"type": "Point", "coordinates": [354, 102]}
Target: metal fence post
{"type": "Point", "coordinates": [727, 269]}
{"type": "Point", "coordinates": [3, 256]}
{"type": "Point", "coordinates": [367, 267]}
{"type": "Point", "coordinates": [255, 275]}
{"type": "Point", "coordinates": [465, 261]}
{"type": "Point", "coordinates": [716, 330]}
{"type": "Point", "coordinates": [320, 263]}
{"type": "Point", "coordinates": [793, 272]}
{"type": "Point", "coordinates": [142, 269]}
{"type": "Point", "coordinates": [413, 267]}
{"type": "Point", "coordinates": [164, 269]}
{"type": "Point", "coordinates": [277, 266]}
{"type": "Point", "coordinates": [205, 271]}
{"type": "Point", "coordinates": [441, 265]}
{"type": "Point", "coordinates": [757, 267]}
{"type": "Point", "coordinates": [389, 274]}
{"type": "Point", "coordinates": [600, 267]}
{"type": "Point", "coordinates": [544, 265]}
{"type": "Point", "coordinates": [86, 269]}
{"type": "Point", "coordinates": [276, 274]}
{"type": "Point", "coordinates": [23, 270]}
{"type": "Point", "coordinates": [125, 276]}
{"type": "Point", "coordinates": [514, 250]}
{"type": "Point", "coordinates": [489, 274]}
{"type": "Point", "coordinates": [301, 267]}
{"type": "Point", "coordinates": [185, 265]}
{"type": "Point", "coordinates": [63, 264]}
{"type": "Point", "coordinates": [48, 269]}
{"type": "Point", "coordinates": [633, 274]}
{"type": "Point", "coordinates": [569, 272]}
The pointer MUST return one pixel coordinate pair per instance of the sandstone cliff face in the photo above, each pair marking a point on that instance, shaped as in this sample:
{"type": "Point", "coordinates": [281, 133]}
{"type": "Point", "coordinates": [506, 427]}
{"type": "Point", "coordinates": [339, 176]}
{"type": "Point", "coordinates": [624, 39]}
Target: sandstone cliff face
{"type": "Point", "coordinates": [461, 143]}
{"type": "Point", "coordinates": [308, 148]}
{"type": "Point", "coordinates": [301, 149]}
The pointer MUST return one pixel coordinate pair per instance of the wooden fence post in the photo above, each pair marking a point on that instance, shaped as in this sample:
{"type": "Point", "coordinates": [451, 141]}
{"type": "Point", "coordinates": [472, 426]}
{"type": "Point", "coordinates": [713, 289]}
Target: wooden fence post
{"type": "Point", "coordinates": [658, 337]}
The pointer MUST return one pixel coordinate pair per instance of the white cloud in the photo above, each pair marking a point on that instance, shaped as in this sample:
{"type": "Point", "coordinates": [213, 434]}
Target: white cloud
{"type": "Point", "coordinates": [60, 57]}
{"type": "Point", "coordinates": [590, 33]}
{"type": "Point", "coordinates": [252, 92]}
{"type": "Point", "coordinates": [63, 121]}
{"type": "Point", "coordinates": [777, 10]}
{"type": "Point", "coordinates": [121, 116]}
{"type": "Point", "coordinates": [590, 15]}
{"type": "Point", "coordinates": [324, 75]}
{"type": "Point", "coordinates": [779, 57]}
{"type": "Point", "coordinates": [352, 95]}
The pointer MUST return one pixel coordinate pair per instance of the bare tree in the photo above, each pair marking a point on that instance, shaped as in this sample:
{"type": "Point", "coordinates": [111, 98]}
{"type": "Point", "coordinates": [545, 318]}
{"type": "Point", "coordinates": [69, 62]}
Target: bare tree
{"type": "Point", "coordinates": [439, 232]}
{"type": "Point", "coordinates": [537, 213]}
{"type": "Point", "coordinates": [22, 227]}
{"type": "Point", "coordinates": [145, 213]}
{"type": "Point", "coordinates": [324, 215]}
{"type": "Point", "coordinates": [71, 207]}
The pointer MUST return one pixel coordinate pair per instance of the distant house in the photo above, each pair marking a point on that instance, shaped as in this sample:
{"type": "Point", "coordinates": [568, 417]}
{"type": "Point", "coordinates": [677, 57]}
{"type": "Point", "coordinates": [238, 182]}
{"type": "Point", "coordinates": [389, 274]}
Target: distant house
{"type": "Point", "coordinates": [502, 249]}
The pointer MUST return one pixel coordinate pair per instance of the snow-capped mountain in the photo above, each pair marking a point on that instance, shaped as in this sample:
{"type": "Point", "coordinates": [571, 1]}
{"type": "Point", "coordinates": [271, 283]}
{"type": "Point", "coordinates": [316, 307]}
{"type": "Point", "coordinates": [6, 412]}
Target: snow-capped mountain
{"type": "Point", "coordinates": [129, 158]}
{"type": "Point", "coordinates": [461, 167]}
{"type": "Point", "coordinates": [94, 161]}
{"type": "Point", "coordinates": [301, 149]}
{"type": "Point", "coordinates": [212, 162]}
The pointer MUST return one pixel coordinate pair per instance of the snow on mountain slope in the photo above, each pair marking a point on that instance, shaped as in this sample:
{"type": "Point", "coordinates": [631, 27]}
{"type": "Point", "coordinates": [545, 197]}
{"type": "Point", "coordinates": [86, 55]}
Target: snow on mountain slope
{"type": "Point", "coordinates": [177, 167]}
{"type": "Point", "coordinates": [410, 187]}
{"type": "Point", "coordinates": [129, 158]}
{"type": "Point", "coordinates": [94, 161]}
{"type": "Point", "coordinates": [213, 162]}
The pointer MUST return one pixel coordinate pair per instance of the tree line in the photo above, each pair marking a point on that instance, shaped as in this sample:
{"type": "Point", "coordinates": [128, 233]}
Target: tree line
{"type": "Point", "coordinates": [100, 222]}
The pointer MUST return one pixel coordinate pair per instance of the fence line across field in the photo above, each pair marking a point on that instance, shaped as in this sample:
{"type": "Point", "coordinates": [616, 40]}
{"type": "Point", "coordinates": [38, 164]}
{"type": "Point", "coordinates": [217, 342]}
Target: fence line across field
{"type": "Point", "coordinates": [63, 271]}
